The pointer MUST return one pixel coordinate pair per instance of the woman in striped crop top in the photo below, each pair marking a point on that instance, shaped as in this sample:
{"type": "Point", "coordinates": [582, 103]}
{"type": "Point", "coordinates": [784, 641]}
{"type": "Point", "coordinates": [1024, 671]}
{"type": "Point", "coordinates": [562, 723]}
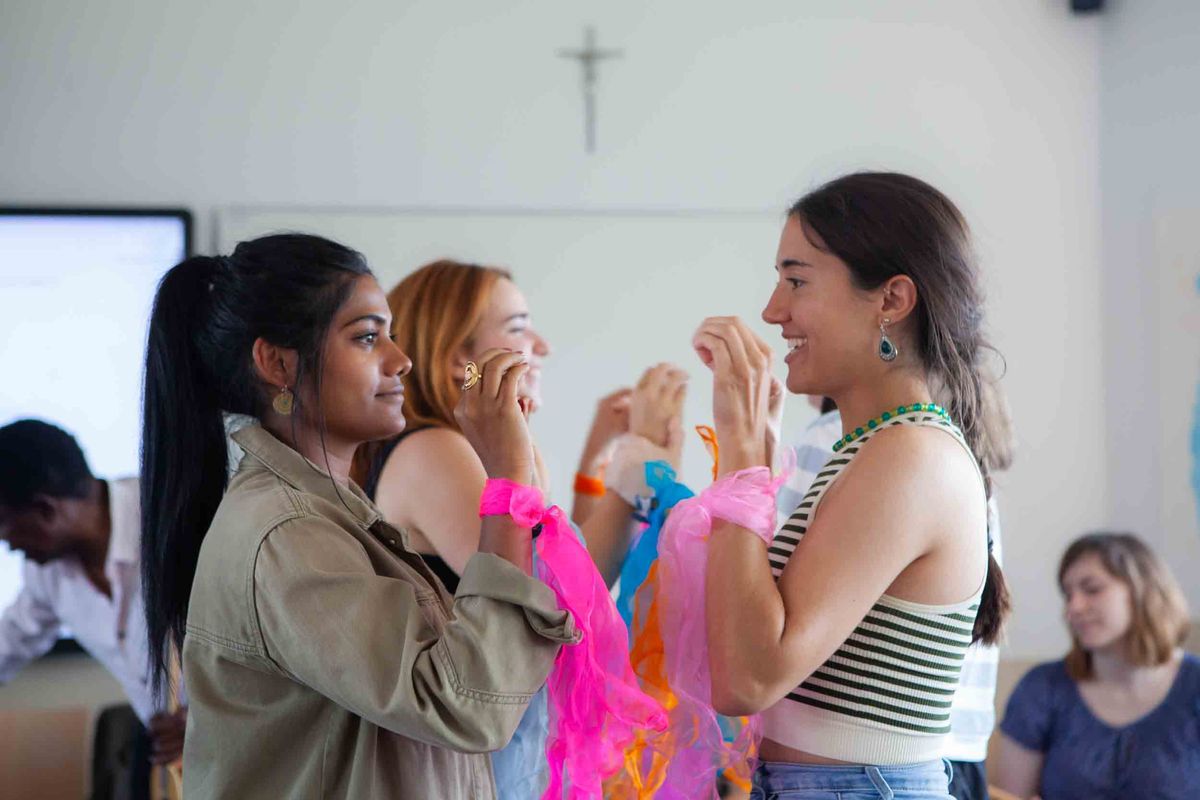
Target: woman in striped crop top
{"type": "Point", "coordinates": [848, 630]}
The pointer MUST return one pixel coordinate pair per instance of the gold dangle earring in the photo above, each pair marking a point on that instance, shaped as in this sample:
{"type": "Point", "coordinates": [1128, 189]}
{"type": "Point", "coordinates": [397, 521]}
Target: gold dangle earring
{"type": "Point", "coordinates": [284, 402]}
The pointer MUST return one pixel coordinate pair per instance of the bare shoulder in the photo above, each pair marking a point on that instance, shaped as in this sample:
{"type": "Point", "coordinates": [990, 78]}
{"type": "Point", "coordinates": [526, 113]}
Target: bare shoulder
{"type": "Point", "coordinates": [440, 444]}
{"type": "Point", "coordinates": [434, 456]}
{"type": "Point", "coordinates": [912, 466]}
{"type": "Point", "coordinates": [920, 450]}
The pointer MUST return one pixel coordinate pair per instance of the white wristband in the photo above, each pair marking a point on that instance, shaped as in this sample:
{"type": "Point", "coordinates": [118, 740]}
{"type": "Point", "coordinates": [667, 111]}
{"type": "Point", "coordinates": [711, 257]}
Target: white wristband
{"type": "Point", "coordinates": [626, 475]}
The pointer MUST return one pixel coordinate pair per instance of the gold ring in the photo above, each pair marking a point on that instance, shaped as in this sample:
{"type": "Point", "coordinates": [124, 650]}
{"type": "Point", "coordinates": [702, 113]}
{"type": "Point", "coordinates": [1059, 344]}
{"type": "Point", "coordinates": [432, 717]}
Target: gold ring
{"type": "Point", "coordinates": [473, 375]}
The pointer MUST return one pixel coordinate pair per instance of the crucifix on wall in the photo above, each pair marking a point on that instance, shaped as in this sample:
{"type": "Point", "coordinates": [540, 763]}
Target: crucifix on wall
{"type": "Point", "coordinates": [588, 58]}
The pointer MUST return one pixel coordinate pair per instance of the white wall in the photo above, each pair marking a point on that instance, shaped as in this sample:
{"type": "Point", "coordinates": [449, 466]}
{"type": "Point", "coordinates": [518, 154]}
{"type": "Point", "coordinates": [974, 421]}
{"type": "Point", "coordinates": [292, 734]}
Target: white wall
{"type": "Point", "coordinates": [1150, 181]}
{"type": "Point", "coordinates": [718, 107]}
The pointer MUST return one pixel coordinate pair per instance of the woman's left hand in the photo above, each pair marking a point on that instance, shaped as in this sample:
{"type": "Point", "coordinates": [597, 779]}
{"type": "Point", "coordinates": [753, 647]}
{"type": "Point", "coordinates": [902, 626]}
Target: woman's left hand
{"type": "Point", "coordinates": [742, 409]}
{"type": "Point", "coordinates": [774, 417]}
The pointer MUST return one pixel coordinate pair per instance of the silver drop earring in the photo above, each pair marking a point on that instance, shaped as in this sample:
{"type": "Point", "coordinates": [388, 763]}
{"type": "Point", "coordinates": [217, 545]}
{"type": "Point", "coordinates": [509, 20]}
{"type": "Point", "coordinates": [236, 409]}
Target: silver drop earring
{"type": "Point", "coordinates": [887, 348]}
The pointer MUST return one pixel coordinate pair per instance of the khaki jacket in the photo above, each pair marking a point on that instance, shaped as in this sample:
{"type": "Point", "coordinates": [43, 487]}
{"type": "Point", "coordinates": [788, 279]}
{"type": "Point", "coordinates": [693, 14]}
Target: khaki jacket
{"type": "Point", "coordinates": [324, 660]}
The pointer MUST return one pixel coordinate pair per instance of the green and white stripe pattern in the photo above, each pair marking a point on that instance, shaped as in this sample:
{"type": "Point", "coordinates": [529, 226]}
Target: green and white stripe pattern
{"type": "Point", "coordinates": [885, 695]}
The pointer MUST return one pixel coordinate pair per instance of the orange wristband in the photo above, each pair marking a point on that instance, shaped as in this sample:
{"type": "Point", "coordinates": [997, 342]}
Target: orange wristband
{"type": "Point", "coordinates": [589, 486]}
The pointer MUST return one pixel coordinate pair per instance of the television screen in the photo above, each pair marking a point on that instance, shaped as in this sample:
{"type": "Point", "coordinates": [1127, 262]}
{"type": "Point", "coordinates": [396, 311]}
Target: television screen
{"type": "Point", "coordinates": [76, 287]}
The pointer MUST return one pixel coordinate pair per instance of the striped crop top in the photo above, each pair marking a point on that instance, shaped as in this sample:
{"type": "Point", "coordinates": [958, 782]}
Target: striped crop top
{"type": "Point", "coordinates": [884, 696]}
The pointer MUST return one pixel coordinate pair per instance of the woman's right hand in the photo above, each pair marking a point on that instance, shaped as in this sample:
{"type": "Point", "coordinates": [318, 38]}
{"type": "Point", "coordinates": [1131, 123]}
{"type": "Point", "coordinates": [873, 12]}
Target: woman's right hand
{"type": "Point", "coordinates": [656, 410]}
{"type": "Point", "coordinates": [492, 419]}
{"type": "Point", "coordinates": [611, 420]}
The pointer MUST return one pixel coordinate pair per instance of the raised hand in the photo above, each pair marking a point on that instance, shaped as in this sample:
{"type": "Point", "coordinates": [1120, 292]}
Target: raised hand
{"type": "Point", "coordinates": [656, 411]}
{"type": "Point", "coordinates": [492, 417]}
{"type": "Point", "coordinates": [742, 387]}
{"type": "Point", "coordinates": [610, 421]}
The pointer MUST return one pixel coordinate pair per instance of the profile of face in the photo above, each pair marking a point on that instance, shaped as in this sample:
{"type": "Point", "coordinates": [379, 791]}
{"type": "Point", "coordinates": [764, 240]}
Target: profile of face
{"type": "Point", "coordinates": [506, 323]}
{"type": "Point", "coordinates": [362, 394]}
{"type": "Point", "coordinates": [40, 530]}
{"type": "Point", "coordinates": [1098, 605]}
{"type": "Point", "coordinates": [830, 326]}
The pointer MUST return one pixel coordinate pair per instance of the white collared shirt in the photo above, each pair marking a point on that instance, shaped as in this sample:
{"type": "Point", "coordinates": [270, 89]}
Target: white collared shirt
{"type": "Point", "coordinates": [59, 594]}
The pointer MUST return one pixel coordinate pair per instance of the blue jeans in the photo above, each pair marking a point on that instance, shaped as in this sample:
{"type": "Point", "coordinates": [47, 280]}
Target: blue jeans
{"type": "Point", "coordinates": [928, 780]}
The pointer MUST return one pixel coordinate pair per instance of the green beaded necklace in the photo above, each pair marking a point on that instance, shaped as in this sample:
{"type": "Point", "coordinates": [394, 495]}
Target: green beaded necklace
{"type": "Point", "coordinates": [872, 424]}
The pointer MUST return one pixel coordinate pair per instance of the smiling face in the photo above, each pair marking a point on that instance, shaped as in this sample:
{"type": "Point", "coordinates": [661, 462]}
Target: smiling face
{"type": "Point", "coordinates": [362, 396]}
{"type": "Point", "coordinates": [1098, 604]}
{"type": "Point", "coordinates": [506, 323]}
{"type": "Point", "coordinates": [830, 325]}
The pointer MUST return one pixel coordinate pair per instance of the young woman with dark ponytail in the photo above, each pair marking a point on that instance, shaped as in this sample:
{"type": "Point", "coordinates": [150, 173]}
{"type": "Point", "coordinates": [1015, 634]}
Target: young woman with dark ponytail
{"type": "Point", "coordinates": [322, 657]}
{"type": "Point", "coordinates": [846, 629]}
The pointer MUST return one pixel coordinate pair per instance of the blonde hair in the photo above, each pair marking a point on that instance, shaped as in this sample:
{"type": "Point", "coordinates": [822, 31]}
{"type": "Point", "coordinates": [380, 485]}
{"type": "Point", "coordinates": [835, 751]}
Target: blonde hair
{"type": "Point", "coordinates": [1160, 614]}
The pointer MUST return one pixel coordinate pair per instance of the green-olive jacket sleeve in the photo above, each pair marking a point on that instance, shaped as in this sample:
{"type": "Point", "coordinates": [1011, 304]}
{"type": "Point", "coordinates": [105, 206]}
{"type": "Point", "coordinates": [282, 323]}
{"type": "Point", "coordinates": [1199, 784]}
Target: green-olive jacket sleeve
{"type": "Point", "coordinates": [463, 684]}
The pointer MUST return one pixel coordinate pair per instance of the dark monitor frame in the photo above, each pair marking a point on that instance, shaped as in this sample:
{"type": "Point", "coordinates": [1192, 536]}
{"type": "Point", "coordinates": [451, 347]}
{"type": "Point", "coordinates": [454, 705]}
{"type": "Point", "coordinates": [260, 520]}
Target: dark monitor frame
{"type": "Point", "coordinates": [68, 645]}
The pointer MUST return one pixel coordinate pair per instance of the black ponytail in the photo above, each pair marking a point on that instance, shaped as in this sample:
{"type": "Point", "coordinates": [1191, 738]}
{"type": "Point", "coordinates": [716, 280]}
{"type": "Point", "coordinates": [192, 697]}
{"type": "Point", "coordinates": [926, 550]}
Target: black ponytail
{"type": "Point", "coordinates": [207, 314]}
{"type": "Point", "coordinates": [181, 413]}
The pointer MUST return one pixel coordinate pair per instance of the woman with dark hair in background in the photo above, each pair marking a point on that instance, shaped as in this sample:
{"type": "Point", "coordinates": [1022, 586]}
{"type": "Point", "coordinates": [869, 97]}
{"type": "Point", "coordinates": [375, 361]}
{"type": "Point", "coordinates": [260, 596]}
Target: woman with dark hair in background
{"type": "Point", "coordinates": [1120, 715]}
{"type": "Point", "coordinates": [847, 630]}
{"type": "Point", "coordinates": [425, 480]}
{"type": "Point", "coordinates": [321, 655]}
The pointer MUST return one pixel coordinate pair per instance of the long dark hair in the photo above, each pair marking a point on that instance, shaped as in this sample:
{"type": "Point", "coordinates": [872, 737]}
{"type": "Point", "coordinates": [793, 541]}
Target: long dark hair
{"type": "Point", "coordinates": [208, 312]}
{"type": "Point", "coordinates": [883, 224]}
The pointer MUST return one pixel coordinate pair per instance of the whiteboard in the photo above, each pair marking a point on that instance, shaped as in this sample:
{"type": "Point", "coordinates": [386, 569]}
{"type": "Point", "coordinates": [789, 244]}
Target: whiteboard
{"type": "Point", "coordinates": [613, 293]}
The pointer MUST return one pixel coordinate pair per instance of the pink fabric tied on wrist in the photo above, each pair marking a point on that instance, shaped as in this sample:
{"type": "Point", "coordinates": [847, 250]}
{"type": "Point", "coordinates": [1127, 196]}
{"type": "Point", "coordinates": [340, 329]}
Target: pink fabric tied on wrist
{"type": "Point", "coordinates": [701, 743]}
{"type": "Point", "coordinates": [596, 705]}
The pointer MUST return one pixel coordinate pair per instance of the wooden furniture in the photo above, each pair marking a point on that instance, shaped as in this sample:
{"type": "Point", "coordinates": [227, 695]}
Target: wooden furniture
{"type": "Point", "coordinates": [46, 753]}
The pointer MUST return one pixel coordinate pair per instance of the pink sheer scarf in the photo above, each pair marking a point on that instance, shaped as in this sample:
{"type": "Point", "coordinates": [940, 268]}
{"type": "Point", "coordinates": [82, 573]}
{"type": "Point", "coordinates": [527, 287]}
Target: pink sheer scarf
{"type": "Point", "coordinates": [596, 705]}
{"type": "Point", "coordinates": [700, 742]}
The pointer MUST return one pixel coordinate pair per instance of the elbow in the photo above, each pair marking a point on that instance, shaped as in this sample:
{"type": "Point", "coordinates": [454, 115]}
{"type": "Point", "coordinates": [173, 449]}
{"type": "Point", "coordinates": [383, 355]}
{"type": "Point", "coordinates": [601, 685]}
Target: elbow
{"type": "Point", "coordinates": [486, 738]}
{"type": "Point", "coordinates": [481, 733]}
{"type": "Point", "coordinates": [741, 687]}
{"type": "Point", "coordinates": [739, 697]}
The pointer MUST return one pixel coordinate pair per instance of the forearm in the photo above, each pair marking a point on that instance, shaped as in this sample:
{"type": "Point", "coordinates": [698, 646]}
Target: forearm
{"type": "Point", "coordinates": [591, 464]}
{"type": "Point", "coordinates": [462, 684]}
{"type": "Point", "coordinates": [494, 611]}
{"type": "Point", "coordinates": [745, 620]}
{"type": "Point", "coordinates": [503, 537]}
{"type": "Point", "coordinates": [607, 533]}
{"type": "Point", "coordinates": [25, 635]}
{"type": "Point", "coordinates": [1015, 768]}
{"type": "Point", "coordinates": [582, 507]}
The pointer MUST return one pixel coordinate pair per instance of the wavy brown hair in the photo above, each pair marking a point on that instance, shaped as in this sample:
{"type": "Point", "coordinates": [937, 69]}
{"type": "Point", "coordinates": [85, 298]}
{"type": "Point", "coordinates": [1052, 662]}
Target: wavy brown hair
{"type": "Point", "coordinates": [1160, 614]}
